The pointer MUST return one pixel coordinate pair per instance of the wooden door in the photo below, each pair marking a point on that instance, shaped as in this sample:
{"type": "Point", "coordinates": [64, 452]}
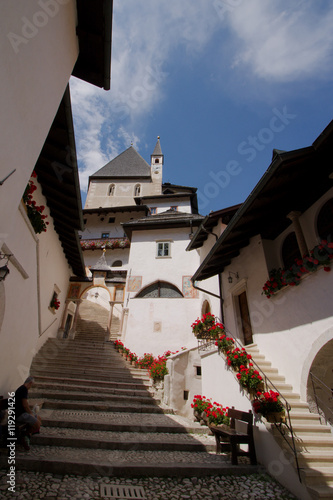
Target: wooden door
{"type": "Point", "coordinates": [245, 318]}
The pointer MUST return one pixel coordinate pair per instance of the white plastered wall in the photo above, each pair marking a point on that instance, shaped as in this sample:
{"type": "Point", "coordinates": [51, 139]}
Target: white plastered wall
{"type": "Point", "coordinates": [38, 264]}
{"type": "Point", "coordinates": [158, 324]}
{"type": "Point", "coordinates": [38, 51]}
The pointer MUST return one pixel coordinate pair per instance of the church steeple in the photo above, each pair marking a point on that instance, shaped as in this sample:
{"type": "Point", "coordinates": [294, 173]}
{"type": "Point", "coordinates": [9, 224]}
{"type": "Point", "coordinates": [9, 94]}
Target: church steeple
{"type": "Point", "coordinates": [156, 163]}
{"type": "Point", "coordinates": [157, 158]}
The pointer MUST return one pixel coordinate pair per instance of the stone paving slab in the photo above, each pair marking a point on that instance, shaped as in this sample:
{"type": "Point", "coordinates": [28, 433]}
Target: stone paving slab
{"type": "Point", "coordinates": [37, 486]}
{"type": "Point", "coordinates": [141, 422]}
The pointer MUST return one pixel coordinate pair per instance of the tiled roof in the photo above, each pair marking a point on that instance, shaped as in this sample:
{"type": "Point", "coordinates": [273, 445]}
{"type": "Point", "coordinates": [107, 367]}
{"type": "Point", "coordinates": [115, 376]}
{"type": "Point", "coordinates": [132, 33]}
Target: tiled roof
{"type": "Point", "coordinates": [128, 164]}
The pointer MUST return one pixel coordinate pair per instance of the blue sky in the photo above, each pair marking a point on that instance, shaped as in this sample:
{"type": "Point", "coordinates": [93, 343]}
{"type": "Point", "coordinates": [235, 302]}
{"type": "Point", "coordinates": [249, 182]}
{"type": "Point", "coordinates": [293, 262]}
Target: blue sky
{"type": "Point", "coordinates": [222, 82]}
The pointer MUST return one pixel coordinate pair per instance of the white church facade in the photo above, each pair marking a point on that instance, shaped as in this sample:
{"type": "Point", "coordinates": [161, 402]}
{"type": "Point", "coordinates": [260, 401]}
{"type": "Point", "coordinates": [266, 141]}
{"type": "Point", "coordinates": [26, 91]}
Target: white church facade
{"type": "Point", "coordinates": [143, 226]}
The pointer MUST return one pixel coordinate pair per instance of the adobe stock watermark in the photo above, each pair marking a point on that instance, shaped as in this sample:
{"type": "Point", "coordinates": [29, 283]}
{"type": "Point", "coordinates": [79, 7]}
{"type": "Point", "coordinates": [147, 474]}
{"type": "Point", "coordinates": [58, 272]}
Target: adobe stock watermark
{"type": "Point", "coordinates": [30, 27]}
{"type": "Point", "coordinates": [249, 148]}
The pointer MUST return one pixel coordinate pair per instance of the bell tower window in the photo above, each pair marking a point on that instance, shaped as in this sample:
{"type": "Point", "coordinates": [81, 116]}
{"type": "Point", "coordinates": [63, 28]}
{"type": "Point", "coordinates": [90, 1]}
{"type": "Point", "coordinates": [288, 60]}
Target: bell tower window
{"type": "Point", "coordinates": [137, 190]}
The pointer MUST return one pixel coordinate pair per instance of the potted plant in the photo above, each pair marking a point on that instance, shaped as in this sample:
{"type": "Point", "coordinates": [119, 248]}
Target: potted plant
{"type": "Point", "coordinates": [225, 343]}
{"type": "Point", "coordinates": [237, 358]}
{"type": "Point", "coordinates": [250, 379]}
{"type": "Point", "coordinates": [218, 415]}
{"type": "Point", "coordinates": [199, 405]}
{"type": "Point", "coordinates": [207, 327]}
{"type": "Point", "coordinates": [158, 369]}
{"type": "Point", "coordinates": [268, 404]}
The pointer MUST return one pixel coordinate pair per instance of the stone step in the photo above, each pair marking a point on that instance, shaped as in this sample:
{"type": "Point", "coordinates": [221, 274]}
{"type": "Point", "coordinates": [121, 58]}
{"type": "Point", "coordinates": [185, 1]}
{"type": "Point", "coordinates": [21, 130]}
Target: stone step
{"type": "Point", "coordinates": [321, 492]}
{"type": "Point", "coordinates": [42, 386]}
{"type": "Point", "coordinates": [135, 384]}
{"type": "Point", "coordinates": [314, 441]}
{"type": "Point", "coordinates": [305, 428]}
{"type": "Point", "coordinates": [301, 417]}
{"type": "Point", "coordinates": [318, 475]}
{"type": "Point", "coordinates": [89, 397]}
{"type": "Point", "coordinates": [81, 461]}
{"type": "Point", "coordinates": [118, 370]}
{"type": "Point", "coordinates": [103, 406]}
{"type": "Point", "coordinates": [316, 458]}
{"type": "Point", "coordinates": [86, 374]}
{"type": "Point", "coordinates": [78, 438]}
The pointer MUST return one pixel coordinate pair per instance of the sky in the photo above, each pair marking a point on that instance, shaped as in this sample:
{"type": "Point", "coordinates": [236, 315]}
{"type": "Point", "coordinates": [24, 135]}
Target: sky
{"type": "Point", "coordinates": [222, 82]}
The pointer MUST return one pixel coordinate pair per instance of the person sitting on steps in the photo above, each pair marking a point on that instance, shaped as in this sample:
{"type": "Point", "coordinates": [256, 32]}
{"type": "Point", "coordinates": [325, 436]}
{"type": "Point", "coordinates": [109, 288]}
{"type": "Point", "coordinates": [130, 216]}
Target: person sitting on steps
{"type": "Point", "coordinates": [23, 412]}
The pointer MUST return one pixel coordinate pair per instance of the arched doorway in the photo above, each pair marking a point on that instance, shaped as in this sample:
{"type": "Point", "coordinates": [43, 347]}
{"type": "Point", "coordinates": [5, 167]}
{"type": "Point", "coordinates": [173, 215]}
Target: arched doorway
{"type": "Point", "coordinates": [320, 383]}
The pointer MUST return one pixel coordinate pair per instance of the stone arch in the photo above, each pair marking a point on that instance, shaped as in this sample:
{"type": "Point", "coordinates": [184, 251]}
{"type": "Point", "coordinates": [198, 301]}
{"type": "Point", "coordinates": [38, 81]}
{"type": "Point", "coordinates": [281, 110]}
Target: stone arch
{"type": "Point", "coordinates": [322, 343]}
{"type": "Point", "coordinates": [156, 286]}
{"type": "Point", "coordinates": [95, 286]}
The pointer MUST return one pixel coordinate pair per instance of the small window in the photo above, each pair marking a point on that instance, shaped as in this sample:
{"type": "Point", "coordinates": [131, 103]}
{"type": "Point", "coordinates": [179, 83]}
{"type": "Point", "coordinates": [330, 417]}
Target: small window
{"type": "Point", "coordinates": [186, 393]}
{"type": "Point", "coordinates": [163, 249]}
{"type": "Point", "coordinates": [157, 160]}
{"type": "Point", "coordinates": [111, 220]}
{"type": "Point", "coordinates": [111, 189]}
{"type": "Point", "coordinates": [137, 190]}
{"type": "Point", "coordinates": [153, 211]}
{"type": "Point", "coordinates": [290, 250]}
{"type": "Point", "coordinates": [117, 263]}
{"type": "Point", "coordinates": [84, 221]}
{"type": "Point", "coordinates": [105, 235]}
{"type": "Point", "coordinates": [174, 208]}
{"type": "Point", "coordinates": [198, 371]}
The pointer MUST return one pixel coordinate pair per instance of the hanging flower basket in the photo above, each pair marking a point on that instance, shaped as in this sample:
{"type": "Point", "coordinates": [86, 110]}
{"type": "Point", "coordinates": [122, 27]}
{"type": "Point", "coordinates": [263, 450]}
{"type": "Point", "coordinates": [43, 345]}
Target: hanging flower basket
{"type": "Point", "coordinates": [276, 417]}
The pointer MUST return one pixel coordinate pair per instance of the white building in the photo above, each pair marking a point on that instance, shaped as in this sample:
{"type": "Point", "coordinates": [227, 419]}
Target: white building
{"type": "Point", "coordinates": [145, 226]}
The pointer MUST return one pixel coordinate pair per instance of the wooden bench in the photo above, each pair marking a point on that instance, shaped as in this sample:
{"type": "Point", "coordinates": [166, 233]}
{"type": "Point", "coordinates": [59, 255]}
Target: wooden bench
{"type": "Point", "coordinates": [225, 434]}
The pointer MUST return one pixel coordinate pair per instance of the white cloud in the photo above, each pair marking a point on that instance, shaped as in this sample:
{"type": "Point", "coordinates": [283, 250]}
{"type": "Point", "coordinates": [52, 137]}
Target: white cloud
{"type": "Point", "coordinates": [283, 41]}
{"type": "Point", "coordinates": [277, 41]}
{"type": "Point", "coordinates": [145, 35]}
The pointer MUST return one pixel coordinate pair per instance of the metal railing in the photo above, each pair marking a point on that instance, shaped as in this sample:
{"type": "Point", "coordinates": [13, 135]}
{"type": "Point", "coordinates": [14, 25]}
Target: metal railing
{"type": "Point", "coordinates": [206, 344]}
{"type": "Point", "coordinates": [322, 408]}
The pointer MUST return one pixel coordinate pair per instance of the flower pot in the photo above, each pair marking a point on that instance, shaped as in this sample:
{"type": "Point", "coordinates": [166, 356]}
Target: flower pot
{"type": "Point", "coordinates": [276, 417]}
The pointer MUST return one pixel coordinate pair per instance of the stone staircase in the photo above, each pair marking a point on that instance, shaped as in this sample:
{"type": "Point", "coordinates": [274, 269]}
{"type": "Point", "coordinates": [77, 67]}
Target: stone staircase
{"type": "Point", "coordinates": [99, 417]}
{"type": "Point", "coordinates": [92, 322]}
{"type": "Point", "coordinates": [314, 441]}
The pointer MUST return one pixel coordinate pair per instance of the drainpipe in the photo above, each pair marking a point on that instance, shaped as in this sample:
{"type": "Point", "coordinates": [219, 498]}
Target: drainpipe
{"type": "Point", "coordinates": [220, 283]}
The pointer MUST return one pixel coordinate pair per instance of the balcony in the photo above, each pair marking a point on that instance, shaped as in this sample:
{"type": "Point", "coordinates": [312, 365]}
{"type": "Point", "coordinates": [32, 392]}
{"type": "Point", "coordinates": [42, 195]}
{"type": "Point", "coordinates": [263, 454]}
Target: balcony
{"type": "Point", "coordinates": [107, 243]}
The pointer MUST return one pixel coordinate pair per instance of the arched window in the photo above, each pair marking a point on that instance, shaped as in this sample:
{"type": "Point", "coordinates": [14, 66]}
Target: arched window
{"type": "Point", "coordinates": [157, 160]}
{"type": "Point", "coordinates": [111, 189]}
{"type": "Point", "coordinates": [137, 190]}
{"type": "Point", "coordinates": [160, 289]}
{"type": "Point", "coordinates": [325, 221]}
{"type": "Point", "coordinates": [117, 263]}
{"type": "Point", "coordinates": [290, 250]}
{"type": "Point", "coordinates": [205, 308]}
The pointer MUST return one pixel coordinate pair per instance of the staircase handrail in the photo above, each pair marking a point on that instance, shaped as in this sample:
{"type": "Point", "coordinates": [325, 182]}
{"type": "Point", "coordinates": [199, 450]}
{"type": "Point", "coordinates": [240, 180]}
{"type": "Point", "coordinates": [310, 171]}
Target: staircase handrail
{"type": "Point", "coordinates": [268, 384]}
{"type": "Point", "coordinates": [317, 398]}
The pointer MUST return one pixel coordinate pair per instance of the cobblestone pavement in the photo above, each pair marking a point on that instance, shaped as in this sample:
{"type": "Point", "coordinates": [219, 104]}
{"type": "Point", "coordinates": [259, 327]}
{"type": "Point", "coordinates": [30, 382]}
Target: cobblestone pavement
{"type": "Point", "coordinates": [37, 486]}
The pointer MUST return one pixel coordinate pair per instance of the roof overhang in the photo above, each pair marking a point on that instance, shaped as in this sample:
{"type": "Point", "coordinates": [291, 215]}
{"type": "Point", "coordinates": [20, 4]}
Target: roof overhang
{"type": "Point", "coordinates": [208, 224]}
{"type": "Point", "coordinates": [293, 181]}
{"type": "Point", "coordinates": [57, 173]}
{"type": "Point", "coordinates": [155, 222]}
{"type": "Point", "coordinates": [110, 210]}
{"type": "Point", "coordinates": [94, 31]}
